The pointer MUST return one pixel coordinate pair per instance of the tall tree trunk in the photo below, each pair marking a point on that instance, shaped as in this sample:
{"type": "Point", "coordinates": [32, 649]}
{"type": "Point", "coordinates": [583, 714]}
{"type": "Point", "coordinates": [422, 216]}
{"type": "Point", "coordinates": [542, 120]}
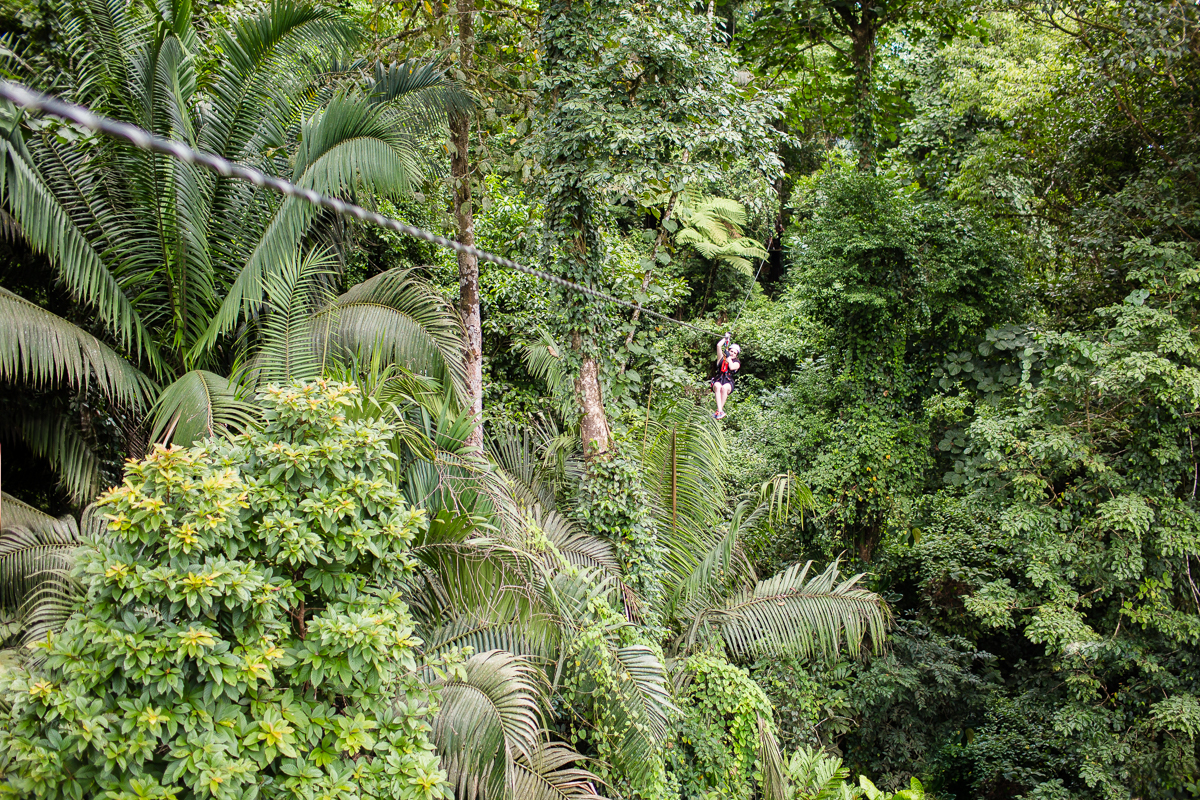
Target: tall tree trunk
{"type": "Point", "coordinates": [464, 221]}
{"type": "Point", "coordinates": [570, 234]}
{"type": "Point", "coordinates": [862, 40]}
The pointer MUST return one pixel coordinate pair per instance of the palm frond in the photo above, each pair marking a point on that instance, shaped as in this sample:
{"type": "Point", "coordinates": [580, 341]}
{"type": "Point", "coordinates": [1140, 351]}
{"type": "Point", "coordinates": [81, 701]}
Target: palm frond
{"type": "Point", "coordinates": [58, 441]}
{"type": "Point", "coordinates": [51, 229]}
{"type": "Point", "coordinates": [535, 640]}
{"type": "Point", "coordinates": [287, 348]}
{"type": "Point", "coordinates": [682, 462]}
{"type": "Point", "coordinates": [808, 616]}
{"type": "Point", "coordinates": [404, 319]}
{"type": "Point", "coordinates": [773, 784]}
{"type": "Point", "coordinates": [818, 776]}
{"type": "Point", "coordinates": [475, 577]}
{"type": "Point", "coordinates": [25, 558]}
{"type": "Point", "coordinates": [544, 360]}
{"type": "Point", "coordinates": [43, 349]}
{"type": "Point", "coordinates": [198, 405]}
{"type": "Point", "coordinates": [437, 466]}
{"type": "Point", "coordinates": [724, 566]}
{"type": "Point", "coordinates": [423, 81]}
{"type": "Point", "coordinates": [575, 546]}
{"type": "Point", "coordinates": [56, 596]}
{"type": "Point", "coordinates": [15, 513]}
{"type": "Point", "coordinates": [713, 226]}
{"type": "Point", "coordinates": [267, 59]}
{"type": "Point", "coordinates": [514, 450]}
{"type": "Point", "coordinates": [547, 775]}
{"type": "Point", "coordinates": [573, 596]}
{"type": "Point", "coordinates": [644, 707]}
{"type": "Point", "coordinates": [349, 146]}
{"type": "Point", "coordinates": [489, 714]}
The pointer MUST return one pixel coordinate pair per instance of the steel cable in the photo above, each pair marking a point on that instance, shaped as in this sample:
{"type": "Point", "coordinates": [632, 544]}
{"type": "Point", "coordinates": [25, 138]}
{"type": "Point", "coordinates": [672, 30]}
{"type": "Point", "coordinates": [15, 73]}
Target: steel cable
{"type": "Point", "coordinates": [26, 98]}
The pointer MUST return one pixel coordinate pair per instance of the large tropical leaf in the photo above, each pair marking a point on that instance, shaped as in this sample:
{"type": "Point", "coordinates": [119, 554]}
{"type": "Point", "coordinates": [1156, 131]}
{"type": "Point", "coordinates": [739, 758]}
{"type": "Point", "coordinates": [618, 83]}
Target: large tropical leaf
{"type": "Point", "coordinates": [575, 546]}
{"type": "Point", "coordinates": [773, 782]}
{"type": "Point", "coordinates": [56, 596]}
{"type": "Point", "coordinates": [40, 348]}
{"type": "Point", "coordinates": [198, 405]}
{"type": "Point", "coordinates": [350, 145]}
{"type": "Point", "coordinates": [422, 86]}
{"type": "Point", "coordinates": [489, 714]}
{"type": "Point", "coordinates": [37, 592]}
{"type": "Point", "coordinates": [535, 639]}
{"type": "Point", "coordinates": [791, 611]}
{"type": "Point", "coordinates": [25, 559]}
{"type": "Point", "coordinates": [683, 461]}
{"type": "Point", "coordinates": [59, 441]}
{"type": "Point", "coordinates": [724, 566]}
{"type": "Point", "coordinates": [544, 360]}
{"type": "Point", "coordinates": [714, 227]}
{"type": "Point", "coordinates": [642, 709]}
{"type": "Point", "coordinates": [287, 346]}
{"type": "Point", "coordinates": [268, 60]}
{"type": "Point", "coordinates": [61, 230]}
{"type": "Point", "coordinates": [515, 451]}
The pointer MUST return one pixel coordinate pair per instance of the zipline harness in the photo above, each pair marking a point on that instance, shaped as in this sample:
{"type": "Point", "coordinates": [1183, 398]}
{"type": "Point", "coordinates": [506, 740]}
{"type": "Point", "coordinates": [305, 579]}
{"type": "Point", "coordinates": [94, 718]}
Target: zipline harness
{"type": "Point", "coordinates": [26, 98]}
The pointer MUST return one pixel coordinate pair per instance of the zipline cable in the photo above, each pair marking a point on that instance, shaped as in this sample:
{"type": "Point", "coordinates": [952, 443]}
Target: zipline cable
{"type": "Point", "coordinates": [31, 100]}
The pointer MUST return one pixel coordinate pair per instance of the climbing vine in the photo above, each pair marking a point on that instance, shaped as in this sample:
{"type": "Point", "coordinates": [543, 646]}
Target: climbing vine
{"type": "Point", "coordinates": [618, 703]}
{"type": "Point", "coordinates": [614, 503]}
{"type": "Point", "coordinates": [718, 732]}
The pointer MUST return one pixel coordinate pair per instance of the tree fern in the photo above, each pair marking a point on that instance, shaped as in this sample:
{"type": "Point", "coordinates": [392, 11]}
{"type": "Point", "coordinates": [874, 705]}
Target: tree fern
{"type": "Point", "coordinates": [713, 226]}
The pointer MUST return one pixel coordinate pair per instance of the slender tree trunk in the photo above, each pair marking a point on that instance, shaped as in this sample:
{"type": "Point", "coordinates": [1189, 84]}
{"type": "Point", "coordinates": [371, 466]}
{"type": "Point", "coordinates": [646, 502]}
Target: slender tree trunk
{"type": "Point", "coordinates": [658, 243]}
{"type": "Point", "coordinates": [593, 429]}
{"type": "Point", "coordinates": [464, 221]}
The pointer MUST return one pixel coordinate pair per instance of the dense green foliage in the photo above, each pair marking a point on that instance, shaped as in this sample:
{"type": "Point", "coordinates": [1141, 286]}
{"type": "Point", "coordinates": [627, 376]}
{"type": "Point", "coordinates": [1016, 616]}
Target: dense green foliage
{"type": "Point", "coordinates": [196, 670]}
{"type": "Point", "coordinates": [956, 241]}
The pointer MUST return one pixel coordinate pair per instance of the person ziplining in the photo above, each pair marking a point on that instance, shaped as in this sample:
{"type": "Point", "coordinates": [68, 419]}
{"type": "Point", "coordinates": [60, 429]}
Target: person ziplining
{"type": "Point", "coordinates": [727, 366]}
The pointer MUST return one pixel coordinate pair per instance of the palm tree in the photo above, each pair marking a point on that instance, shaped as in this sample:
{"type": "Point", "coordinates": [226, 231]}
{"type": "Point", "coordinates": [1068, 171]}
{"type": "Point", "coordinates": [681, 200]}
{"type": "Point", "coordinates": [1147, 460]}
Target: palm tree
{"type": "Point", "coordinates": [37, 591]}
{"type": "Point", "coordinates": [185, 274]}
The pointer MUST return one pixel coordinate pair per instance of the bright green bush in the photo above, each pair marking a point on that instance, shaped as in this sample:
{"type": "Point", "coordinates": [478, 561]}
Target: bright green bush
{"type": "Point", "coordinates": [242, 636]}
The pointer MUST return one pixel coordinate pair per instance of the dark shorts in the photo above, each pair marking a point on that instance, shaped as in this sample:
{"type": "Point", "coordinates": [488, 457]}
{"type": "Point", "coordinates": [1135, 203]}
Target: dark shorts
{"type": "Point", "coordinates": [728, 380]}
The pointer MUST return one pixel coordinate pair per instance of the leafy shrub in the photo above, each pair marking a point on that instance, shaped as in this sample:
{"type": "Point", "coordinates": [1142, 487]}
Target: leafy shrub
{"type": "Point", "coordinates": [718, 741]}
{"type": "Point", "coordinates": [242, 636]}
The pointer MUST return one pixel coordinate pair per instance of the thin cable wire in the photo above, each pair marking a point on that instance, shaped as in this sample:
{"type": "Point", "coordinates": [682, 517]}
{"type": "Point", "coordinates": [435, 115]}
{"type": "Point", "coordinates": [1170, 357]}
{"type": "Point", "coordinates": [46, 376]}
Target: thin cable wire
{"type": "Point", "coordinates": [27, 98]}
